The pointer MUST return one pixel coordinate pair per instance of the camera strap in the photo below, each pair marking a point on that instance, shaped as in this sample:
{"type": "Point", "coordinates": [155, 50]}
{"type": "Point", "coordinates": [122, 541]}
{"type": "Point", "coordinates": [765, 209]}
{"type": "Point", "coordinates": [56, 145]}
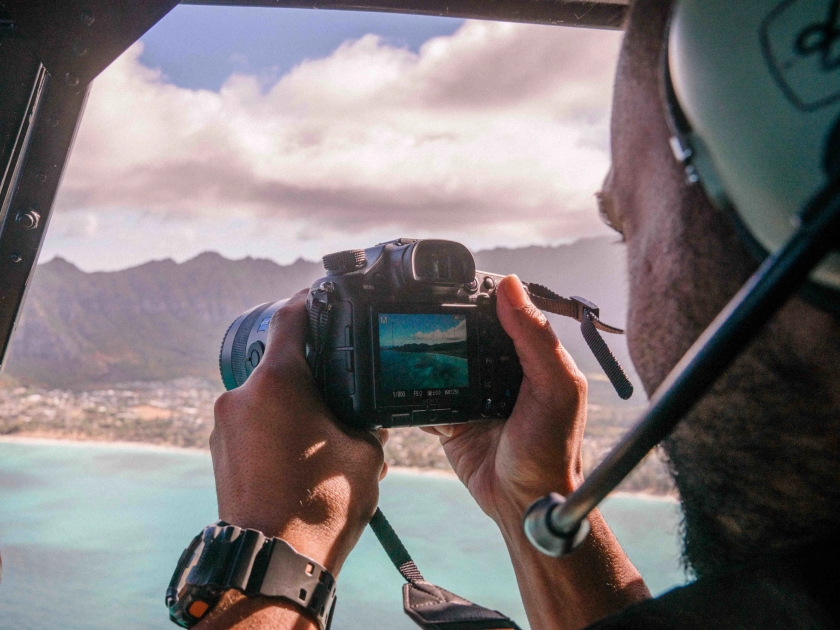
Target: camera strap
{"type": "Point", "coordinates": [432, 607]}
{"type": "Point", "coordinates": [587, 314]}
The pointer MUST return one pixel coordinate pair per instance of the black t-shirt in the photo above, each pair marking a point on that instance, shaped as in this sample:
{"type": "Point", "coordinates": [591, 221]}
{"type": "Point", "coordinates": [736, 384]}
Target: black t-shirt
{"type": "Point", "coordinates": [796, 591]}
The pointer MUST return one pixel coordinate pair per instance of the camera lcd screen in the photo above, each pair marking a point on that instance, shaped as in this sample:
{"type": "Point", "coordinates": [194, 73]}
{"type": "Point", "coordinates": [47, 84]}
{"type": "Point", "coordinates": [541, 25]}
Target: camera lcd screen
{"type": "Point", "coordinates": [422, 355]}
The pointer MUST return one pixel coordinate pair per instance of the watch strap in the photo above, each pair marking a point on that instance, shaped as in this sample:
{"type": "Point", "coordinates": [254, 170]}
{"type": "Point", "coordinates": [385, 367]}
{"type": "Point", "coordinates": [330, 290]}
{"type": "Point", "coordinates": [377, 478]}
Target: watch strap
{"type": "Point", "coordinates": [227, 557]}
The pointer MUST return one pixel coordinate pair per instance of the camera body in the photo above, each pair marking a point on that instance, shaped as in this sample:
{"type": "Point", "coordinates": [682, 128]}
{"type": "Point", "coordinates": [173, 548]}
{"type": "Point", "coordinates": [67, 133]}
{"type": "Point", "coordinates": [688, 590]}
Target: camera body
{"type": "Point", "coordinates": [401, 334]}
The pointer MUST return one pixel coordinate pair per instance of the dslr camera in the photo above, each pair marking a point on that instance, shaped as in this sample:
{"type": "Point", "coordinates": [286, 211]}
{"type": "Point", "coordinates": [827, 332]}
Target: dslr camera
{"type": "Point", "coordinates": [401, 334]}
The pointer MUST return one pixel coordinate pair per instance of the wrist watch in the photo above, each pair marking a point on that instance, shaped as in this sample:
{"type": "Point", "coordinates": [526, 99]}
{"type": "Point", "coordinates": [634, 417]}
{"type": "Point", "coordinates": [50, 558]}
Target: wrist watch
{"type": "Point", "coordinates": [224, 557]}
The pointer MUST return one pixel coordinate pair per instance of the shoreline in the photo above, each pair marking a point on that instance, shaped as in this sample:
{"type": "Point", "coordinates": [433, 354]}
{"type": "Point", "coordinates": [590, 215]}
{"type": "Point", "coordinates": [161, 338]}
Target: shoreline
{"type": "Point", "coordinates": [51, 440]}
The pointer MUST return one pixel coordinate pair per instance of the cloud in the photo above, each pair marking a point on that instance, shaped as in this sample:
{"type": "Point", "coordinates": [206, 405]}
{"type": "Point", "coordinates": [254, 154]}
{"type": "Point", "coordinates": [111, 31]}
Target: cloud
{"type": "Point", "coordinates": [456, 333]}
{"type": "Point", "coordinates": [496, 134]}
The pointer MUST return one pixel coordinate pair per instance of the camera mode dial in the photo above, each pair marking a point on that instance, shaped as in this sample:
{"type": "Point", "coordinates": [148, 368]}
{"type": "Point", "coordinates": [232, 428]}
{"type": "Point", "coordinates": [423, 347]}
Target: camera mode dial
{"type": "Point", "coordinates": [346, 261]}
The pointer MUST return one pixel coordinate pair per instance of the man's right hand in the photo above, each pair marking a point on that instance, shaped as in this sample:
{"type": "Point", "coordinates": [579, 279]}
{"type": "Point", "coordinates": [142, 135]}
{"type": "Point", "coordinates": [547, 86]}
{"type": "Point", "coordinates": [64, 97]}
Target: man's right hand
{"type": "Point", "coordinates": [506, 465]}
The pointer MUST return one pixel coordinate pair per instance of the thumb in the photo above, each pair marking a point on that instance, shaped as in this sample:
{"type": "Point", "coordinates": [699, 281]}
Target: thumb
{"type": "Point", "coordinates": [544, 360]}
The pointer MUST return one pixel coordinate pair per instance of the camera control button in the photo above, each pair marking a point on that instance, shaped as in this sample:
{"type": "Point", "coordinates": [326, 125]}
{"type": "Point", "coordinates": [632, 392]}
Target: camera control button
{"type": "Point", "coordinates": [488, 406]}
{"type": "Point", "coordinates": [346, 261]}
{"type": "Point", "coordinates": [254, 356]}
{"type": "Point", "coordinates": [489, 283]}
{"type": "Point", "coordinates": [400, 419]}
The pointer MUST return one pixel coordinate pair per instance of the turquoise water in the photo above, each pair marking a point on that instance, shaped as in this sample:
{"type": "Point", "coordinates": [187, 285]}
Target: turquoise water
{"type": "Point", "coordinates": [421, 370]}
{"type": "Point", "coordinates": [89, 536]}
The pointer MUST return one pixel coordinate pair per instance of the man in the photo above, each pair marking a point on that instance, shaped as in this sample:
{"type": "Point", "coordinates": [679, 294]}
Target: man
{"type": "Point", "coordinates": [756, 463]}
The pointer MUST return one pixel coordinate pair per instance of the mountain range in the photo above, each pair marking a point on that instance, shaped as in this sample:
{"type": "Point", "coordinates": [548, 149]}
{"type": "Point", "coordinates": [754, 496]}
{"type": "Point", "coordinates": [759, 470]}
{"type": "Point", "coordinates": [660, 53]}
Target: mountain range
{"type": "Point", "coordinates": [164, 320]}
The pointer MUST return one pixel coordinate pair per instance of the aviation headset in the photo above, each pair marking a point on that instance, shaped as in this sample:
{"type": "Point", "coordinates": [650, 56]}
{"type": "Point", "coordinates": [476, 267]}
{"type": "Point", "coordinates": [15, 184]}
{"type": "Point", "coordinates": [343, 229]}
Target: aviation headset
{"type": "Point", "coordinates": [752, 88]}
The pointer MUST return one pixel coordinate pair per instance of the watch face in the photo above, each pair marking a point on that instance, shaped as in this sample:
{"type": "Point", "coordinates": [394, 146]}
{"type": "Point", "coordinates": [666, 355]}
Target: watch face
{"type": "Point", "coordinates": [186, 605]}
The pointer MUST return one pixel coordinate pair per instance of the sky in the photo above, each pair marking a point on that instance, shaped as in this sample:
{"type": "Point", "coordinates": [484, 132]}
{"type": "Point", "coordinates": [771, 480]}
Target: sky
{"type": "Point", "coordinates": [399, 329]}
{"type": "Point", "coordinates": [282, 133]}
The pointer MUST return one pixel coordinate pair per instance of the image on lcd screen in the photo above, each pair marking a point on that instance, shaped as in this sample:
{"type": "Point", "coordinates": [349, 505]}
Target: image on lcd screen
{"type": "Point", "coordinates": [422, 351]}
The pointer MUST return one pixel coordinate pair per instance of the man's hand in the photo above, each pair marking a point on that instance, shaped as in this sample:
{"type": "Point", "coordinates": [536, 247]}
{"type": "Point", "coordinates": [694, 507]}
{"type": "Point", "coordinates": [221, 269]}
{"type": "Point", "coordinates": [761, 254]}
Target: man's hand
{"type": "Point", "coordinates": [284, 467]}
{"type": "Point", "coordinates": [506, 465]}
{"type": "Point", "coordinates": [282, 464]}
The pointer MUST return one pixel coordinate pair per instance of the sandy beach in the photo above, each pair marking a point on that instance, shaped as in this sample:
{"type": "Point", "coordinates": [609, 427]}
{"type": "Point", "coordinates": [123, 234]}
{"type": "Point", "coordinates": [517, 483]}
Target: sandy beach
{"type": "Point", "coordinates": [44, 440]}
{"type": "Point", "coordinates": [49, 440]}
{"type": "Point", "coordinates": [37, 439]}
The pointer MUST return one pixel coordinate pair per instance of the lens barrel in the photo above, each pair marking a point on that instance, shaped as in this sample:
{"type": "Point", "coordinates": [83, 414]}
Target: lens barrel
{"type": "Point", "coordinates": [235, 355]}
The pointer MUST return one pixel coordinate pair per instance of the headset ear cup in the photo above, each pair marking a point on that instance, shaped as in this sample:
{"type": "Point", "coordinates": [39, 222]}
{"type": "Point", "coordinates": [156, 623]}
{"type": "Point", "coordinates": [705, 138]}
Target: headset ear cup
{"type": "Point", "coordinates": [756, 113]}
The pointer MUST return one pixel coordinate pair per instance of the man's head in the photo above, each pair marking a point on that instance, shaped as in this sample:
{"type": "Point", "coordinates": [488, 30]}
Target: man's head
{"type": "Point", "coordinates": [758, 462]}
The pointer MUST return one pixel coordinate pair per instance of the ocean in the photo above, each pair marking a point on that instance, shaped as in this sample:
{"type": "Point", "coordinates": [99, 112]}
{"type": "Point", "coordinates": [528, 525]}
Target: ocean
{"type": "Point", "coordinates": [90, 533]}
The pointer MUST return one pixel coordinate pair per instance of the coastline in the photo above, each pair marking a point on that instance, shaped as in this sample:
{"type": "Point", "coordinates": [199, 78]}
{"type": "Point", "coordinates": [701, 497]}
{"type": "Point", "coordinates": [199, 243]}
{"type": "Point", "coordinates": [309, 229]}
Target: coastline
{"type": "Point", "coordinates": [53, 440]}
{"type": "Point", "coordinates": [50, 440]}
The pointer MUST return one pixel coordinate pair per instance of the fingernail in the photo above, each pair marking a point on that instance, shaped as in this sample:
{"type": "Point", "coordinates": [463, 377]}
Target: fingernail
{"type": "Point", "coordinates": [445, 429]}
{"type": "Point", "coordinates": [515, 293]}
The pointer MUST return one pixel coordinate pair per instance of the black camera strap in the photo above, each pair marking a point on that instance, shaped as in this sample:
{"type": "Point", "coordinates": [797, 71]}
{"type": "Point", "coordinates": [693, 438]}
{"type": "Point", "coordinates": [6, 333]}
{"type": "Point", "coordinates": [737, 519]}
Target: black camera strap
{"type": "Point", "coordinates": [429, 606]}
{"type": "Point", "coordinates": [587, 314]}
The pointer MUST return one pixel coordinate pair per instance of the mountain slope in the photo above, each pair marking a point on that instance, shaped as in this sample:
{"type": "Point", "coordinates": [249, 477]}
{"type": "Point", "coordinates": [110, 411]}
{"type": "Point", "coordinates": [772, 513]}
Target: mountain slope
{"type": "Point", "coordinates": [158, 321]}
{"type": "Point", "coordinates": [164, 320]}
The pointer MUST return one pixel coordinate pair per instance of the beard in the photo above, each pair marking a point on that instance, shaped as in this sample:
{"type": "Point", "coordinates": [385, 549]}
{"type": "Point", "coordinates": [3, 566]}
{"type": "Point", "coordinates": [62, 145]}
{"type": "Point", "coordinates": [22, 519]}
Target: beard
{"type": "Point", "coordinates": [757, 463]}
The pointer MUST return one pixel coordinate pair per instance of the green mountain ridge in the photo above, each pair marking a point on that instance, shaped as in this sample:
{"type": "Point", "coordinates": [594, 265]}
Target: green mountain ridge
{"type": "Point", "coordinates": [164, 320]}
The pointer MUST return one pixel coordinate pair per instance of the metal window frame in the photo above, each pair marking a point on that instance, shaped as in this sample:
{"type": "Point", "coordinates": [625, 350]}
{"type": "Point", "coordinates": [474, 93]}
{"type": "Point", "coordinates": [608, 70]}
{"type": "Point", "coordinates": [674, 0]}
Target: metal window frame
{"type": "Point", "coordinates": [51, 50]}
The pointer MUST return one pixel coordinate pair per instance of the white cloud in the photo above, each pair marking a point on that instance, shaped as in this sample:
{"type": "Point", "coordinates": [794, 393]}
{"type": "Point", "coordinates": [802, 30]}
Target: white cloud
{"type": "Point", "coordinates": [456, 333]}
{"type": "Point", "coordinates": [494, 135]}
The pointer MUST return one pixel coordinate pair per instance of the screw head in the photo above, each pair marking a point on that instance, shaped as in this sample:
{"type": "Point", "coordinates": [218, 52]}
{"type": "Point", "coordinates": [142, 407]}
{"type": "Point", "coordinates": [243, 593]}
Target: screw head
{"type": "Point", "coordinates": [28, 220]}
{"type": "Point", "coordinates": [86, 17]}
{"type": "Point", "coordinates": [16, 258]}
{"type": "Point", "coordinates": [79, 49]}
{"type": "Point", "coordinates": [40, 177]}
{"type": "Point", "coordinates": [71, 79]}
{"type": "Point", "coordinates": [52, 121]}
